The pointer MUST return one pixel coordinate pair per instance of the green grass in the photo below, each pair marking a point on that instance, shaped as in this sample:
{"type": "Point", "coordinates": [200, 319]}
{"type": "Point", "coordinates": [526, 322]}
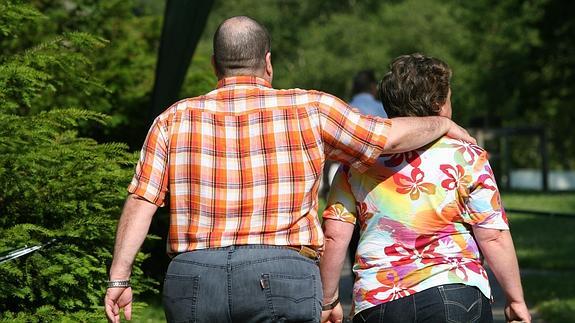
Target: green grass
{"type": "Point", "coordinates": [558, 311]}
{"type": "Point", "coordinates": [546, 252]}
{"type": "Point", "coordinates": [153, 313]}
{"type": "Point", "coordinates": [544, 242]}
{"type": "Point", "coordinates": [553, 202]}
{"type": "Point", "coordinates": [543, 286]}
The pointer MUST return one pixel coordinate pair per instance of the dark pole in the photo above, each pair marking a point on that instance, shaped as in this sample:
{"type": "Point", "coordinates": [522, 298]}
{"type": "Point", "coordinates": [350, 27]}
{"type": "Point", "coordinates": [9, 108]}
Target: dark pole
{"type": "Point", "coordinates": [544, 159]}
{"type": "Point", "coordinates": [184, 22]}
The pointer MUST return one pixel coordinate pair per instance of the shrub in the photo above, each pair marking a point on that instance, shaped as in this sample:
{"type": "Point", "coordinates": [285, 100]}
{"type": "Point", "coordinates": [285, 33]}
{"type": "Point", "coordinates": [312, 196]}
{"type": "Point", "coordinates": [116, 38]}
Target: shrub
{"type": "Point", "coordinates": [56, 187]}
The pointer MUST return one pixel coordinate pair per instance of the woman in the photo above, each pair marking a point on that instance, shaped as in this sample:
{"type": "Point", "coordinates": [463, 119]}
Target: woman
{"type": "Point", "coordinates": [427, 219]}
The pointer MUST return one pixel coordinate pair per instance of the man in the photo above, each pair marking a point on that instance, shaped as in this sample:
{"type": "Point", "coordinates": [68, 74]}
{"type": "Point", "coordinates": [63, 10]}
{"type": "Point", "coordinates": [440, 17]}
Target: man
{"type": "Point", "coordinates": [363, 93]}
{"type": "Point", "coordinates": [242, 166]}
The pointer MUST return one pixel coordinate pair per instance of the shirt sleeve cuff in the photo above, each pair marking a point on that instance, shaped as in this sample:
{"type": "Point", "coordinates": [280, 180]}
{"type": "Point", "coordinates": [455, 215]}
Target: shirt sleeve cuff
{"type": "Point", "coordinates": [157, 199]}
{"type": "Point", "coordinates": [339, 213]}
{"type": "Point", "coordinates": [378, 139]}
{"type": "Point", "coordinates": [495, 220]}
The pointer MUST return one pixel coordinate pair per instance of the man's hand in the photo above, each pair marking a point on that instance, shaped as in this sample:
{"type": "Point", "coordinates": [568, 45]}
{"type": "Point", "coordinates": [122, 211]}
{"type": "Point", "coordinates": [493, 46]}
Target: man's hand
{"type": "Point", "coordinates": [457, 132]}
{"type": "Point", "coordinates": [132, 229]}
{"type": "Point", "coordinates": [116, 299]}
{"type": "Point", "coordinates": [517, 311]}
{"type": "Point", "coordinates": [334, 315]}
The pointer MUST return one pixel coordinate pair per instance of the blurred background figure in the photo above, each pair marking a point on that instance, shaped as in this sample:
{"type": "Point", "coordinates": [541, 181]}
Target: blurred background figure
{"type": "Point", "coordinates": [364, 94]}
{"type": "Point", "coordinates": [365, 98]}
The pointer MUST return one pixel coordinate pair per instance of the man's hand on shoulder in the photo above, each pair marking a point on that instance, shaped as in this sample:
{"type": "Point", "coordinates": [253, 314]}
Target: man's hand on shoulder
{"type": "Point", "coordinates": [457, 132]}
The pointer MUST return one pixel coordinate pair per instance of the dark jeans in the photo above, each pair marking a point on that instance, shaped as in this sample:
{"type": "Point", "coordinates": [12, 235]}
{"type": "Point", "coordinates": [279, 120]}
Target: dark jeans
{"type": "Point", "coordinates": [453, 303]}
{"type": "Point", "coordinates": [253, 283]}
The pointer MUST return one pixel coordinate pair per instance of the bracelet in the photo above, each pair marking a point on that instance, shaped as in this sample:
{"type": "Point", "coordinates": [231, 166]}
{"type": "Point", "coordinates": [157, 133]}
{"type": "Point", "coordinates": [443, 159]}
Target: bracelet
{"type": "Point", "coordinates": [331, 305]}
{"type": "Point", "coordinates": [118, 283]}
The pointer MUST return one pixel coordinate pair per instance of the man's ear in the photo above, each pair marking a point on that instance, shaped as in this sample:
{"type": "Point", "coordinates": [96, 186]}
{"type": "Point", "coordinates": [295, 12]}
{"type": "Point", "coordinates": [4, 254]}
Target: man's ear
{"type": "Point", "coordinates": [269, 67]}
{"type": "Point", "coordinates": [214, 68]}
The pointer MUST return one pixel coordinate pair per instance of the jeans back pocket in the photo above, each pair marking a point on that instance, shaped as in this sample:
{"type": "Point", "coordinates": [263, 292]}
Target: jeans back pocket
{"type": "Point", "coordinates": [180, 297]}
{"type": "Point", "coordinates": [291, 298]}
{"type": "Point", "coordinates": [462, 303]}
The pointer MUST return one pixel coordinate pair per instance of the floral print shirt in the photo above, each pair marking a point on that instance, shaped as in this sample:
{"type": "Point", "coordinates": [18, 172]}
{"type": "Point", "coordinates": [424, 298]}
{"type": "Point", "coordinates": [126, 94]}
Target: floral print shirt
{"type": "Point", "coordinates": [416, 210]}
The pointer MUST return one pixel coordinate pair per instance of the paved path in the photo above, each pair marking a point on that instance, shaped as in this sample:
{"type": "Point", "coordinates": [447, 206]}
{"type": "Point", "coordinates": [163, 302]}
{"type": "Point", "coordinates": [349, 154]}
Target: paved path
{"type": "Point", "coordinates": [346, 285]}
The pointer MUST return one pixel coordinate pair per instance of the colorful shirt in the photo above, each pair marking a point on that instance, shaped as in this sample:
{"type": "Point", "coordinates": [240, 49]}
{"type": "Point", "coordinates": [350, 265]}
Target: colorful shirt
{"type": "Point", "coordinates": [416, 210]}
{"type": "Point", "coordinates": [242, 164]}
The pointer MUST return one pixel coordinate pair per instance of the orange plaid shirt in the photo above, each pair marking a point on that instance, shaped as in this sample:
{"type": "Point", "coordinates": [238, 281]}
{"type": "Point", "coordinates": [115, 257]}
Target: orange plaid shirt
{"type": "Point", "coordinates": [243, 163]}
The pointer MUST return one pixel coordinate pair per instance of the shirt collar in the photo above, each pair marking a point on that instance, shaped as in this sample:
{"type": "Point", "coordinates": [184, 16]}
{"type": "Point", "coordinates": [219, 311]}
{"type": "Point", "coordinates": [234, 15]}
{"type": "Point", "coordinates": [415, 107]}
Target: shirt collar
{"type": "Point", "coordinates": [233, 81]}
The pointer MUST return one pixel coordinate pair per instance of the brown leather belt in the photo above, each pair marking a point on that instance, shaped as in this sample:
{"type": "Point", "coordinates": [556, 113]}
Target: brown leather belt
{"type": "Point", "coordinates": [306, 252]}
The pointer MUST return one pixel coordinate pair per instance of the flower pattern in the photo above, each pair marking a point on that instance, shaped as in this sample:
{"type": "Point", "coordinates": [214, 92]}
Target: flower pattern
{"type": "Point", "coordinates": [338, 212]}
{"type": "Point", "coordinates": [456, 176]}
{"type": "Point", "coordinates": [409, 245]}
{"type": "Point", "coordinates": [413, 184]}
{"type": "Point", "coordinates": [363, 213]}
{"type": "Point", "coordinates": [468, 151]}
{"type": "Point", "coordinates": [411, 157]}
{"type": "Point", "coordinates": [487, 180]}
{"type": "Point", "coordinates": [422, 252]}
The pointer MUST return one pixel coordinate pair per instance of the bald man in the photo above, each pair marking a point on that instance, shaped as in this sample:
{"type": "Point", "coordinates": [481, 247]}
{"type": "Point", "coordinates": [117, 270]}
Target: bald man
{"type": "Point", "coordinates": [242, 166]}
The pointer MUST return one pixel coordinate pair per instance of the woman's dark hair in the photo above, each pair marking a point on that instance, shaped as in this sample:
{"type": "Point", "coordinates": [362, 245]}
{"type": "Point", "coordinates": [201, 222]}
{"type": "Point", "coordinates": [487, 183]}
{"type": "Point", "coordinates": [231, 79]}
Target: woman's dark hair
{"type": "Point", "coordinates": [415, 86]}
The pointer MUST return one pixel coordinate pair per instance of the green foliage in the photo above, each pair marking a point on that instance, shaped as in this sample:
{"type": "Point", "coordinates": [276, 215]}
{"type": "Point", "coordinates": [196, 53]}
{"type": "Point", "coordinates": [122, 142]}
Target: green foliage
{"type": "Point", "coordinates": [557, 311]}
{"type": "Point", "coordinates": [14, 16]}
{"type": "Point", "coordinates": [125, 68]}
{"type": "Point", "coordinates": [513, 60]}
{"type": "Point", "coordinates": [54, 184]}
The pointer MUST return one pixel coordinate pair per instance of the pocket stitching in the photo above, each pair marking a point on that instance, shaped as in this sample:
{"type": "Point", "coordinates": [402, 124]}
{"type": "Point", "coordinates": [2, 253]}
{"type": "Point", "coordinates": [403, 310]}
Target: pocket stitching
{"type": "Point", "coordinates": [191, 317]}
{"type": "Point", "coordinates": [447, 302]}
{"type": "Point", "coordinates": [268, 292]}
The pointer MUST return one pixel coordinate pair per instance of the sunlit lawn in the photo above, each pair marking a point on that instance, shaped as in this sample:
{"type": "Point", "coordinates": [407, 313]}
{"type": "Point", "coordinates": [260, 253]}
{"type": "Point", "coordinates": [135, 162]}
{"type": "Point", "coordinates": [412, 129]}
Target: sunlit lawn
{"type": "Point", "coordinates": [545, 248]}
{"type": "Point", "coordinates": [543, 242]}
{"type": "Point", "coordinates": [535, 201]}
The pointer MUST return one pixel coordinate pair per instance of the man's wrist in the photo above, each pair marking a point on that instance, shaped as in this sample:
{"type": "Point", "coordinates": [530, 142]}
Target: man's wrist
{"type": "Point", "coordinates": [120, 272]}
{"type": "Point", "coordinates": [119, 283]}
{"type": "Point", "coordinates": [445, 124]}
{"type": "Point", "coordinates": [331, 305]}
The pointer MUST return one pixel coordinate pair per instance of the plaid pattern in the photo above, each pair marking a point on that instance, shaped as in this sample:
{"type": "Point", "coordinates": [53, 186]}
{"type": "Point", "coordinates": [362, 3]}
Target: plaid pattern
{"type": "Point", "coordinates": [243, 163]}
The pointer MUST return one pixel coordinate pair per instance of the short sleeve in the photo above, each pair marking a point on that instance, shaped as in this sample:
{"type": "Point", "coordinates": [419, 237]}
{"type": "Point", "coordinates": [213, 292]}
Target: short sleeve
{"type": "Point", "coordinates": [341, 201]}
{"type": "Point", "coordinates": [350, 137]}
{"type": "Point", "coordinates": [151, 178]}
{"type": "Point", "coordinates": [484, 204]}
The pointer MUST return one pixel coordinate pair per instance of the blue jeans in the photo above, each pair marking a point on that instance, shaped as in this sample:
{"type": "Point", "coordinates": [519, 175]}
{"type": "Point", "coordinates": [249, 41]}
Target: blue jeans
{"type": "Point", "coordinates": [452, 303]}
{"type": "Point", "coordinates": [251, 283]}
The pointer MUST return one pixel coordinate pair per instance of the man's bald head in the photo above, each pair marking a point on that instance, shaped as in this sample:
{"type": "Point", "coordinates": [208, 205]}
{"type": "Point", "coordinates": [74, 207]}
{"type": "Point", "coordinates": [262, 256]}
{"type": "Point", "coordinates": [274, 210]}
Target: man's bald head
{"type": "Point", "coordinates": [240, 47]}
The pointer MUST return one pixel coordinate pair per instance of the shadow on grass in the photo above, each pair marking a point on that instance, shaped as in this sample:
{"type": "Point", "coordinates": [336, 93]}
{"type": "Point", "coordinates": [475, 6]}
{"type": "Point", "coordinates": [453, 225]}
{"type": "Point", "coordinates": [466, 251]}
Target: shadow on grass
{"type": "Point", "coordinates": [546, 256]}
{"type": "Point", "coordinates": [544, 242]}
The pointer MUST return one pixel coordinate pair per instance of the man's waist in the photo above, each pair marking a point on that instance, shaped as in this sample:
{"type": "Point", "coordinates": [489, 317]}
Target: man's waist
{"type": "Point", "coordinates": [309, 252]}
{"type": "Point", "coordinates": [190, 241]}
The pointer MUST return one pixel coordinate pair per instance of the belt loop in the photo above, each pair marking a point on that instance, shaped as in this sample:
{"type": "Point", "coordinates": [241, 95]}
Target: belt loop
{"type": "Point", "coordinates": [306, 252]}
